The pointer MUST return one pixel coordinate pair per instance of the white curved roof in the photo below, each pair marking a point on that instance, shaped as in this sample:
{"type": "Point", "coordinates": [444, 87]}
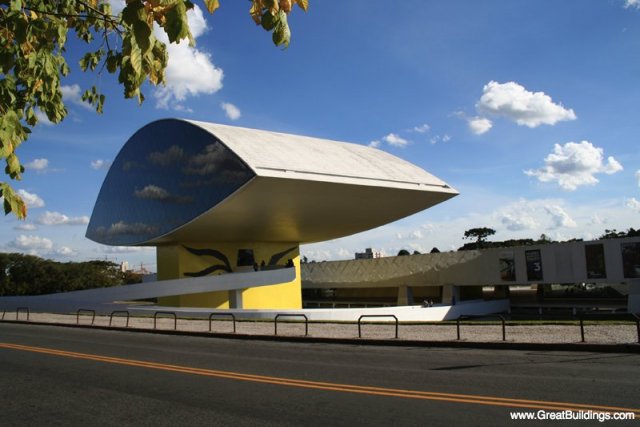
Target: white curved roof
{"type": "Point", "coordinates": [187, 181]}
{"type": "Point", "coordinates": [279, 155]}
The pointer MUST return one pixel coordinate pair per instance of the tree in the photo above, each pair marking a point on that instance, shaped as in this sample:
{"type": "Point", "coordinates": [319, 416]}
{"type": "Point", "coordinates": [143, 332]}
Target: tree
{"type": "Point", "coordinates": [31, 275]}
{"type": "Point", "coordinates": [403, 252]}
{"type": "Point", "coordinates": [480, 234]}
{"type": "Point", "coordinates": [33, 35]}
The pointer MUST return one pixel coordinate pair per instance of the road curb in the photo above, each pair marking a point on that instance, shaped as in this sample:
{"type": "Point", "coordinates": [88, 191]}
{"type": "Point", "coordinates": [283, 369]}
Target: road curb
{"type": "Point", "coordinates": [497, 345]}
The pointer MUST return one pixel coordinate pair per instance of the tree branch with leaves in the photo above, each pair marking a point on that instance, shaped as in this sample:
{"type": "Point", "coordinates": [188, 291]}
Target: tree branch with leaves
{"type": "Point", "coordinates": [33, 36]}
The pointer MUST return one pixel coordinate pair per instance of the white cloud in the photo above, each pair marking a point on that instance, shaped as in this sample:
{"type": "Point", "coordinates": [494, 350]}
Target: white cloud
{"type": "Point", "coordinates": [632, 4]}
{"type": "Point", "coordinates": [56, 218]}
{"type": "Point", "coordinates": [395, 140]}
{"type": "Point", "coordinates": [65, 251]}
{"type": "Point", "coordinates": [152, 192]}
{"type": "Point", "coordinates": [38, 165]}
{"type": "Point", "coordinates": [125, 249]}
{"type": "Point", "coordinates": [374, 144]}
{"type": "Point", "coordinates": [100, 164]}
{"type": "Point", "coordinates": [516, 221]}
{"type": "Point", "coordinates": [32, 200]}
{"type": "Point", "coordinates": [633, 204]}
{"type": "Point", "coordinates": [479, 125]}
{"type": "Point", "coordinates": [574, 164]}
{"type": "Point", "coordinates": [25, 227]}
{"type": "Point", "coordinates": [424, 128]}
{"type": "Point", "coordinates": [230, 110]}
{"type": "Point", "coordinates": [512, 101]}
{"type": "Point", "coordinates": [31, 243]}
{"type": "Point", "coordinates": [72, 94]}
{"type": "Point", "coordinates": [180, 107]}
{"type": "Point", "coordinates": [559, 217]}
{"type": "Point", "coordinates": [190, 71]}
{"type": "Point", "coordinates": [597, 220]}
{"type": "Point", "coordinates": [541, 215]}
{"type": "Point", "coordinates": [440, 138]}
{"type": "Point", "coordinates": [413, 235]}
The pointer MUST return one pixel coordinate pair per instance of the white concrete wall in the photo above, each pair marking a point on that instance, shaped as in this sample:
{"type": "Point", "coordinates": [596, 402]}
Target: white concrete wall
{"type": "Point", "coordinates": [561, 263]}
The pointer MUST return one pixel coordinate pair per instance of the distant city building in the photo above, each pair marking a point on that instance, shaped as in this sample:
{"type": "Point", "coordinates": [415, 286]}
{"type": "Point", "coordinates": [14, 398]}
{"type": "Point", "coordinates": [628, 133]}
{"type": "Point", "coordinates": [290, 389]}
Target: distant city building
{"type": "Point", "coordinates": [367, 254]}
{"type": "Point", "coordinates": [124, 266]}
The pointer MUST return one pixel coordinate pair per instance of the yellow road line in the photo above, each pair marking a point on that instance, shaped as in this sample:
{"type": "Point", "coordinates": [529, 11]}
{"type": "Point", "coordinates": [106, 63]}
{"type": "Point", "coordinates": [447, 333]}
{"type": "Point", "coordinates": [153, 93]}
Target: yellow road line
{"type": "Point", "coordinates": [318, 385]}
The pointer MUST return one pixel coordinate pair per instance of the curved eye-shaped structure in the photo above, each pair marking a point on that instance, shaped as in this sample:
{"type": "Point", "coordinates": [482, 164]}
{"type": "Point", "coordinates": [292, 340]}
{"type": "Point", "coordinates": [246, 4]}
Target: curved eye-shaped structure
{"type": "Point", "coordinates": [184, 181]}
{"type": "Point", "coordinates": [169, 173]}
{"type": "Point", "coordinates": [218, 199]}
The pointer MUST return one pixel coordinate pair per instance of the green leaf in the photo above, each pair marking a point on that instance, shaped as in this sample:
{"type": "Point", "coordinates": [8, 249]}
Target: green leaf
{"type": "Point", "coordinates": [135, 15]}
{"type": "Point", "coordinates": [177, 26]}
{"type": "Point", "coordinates": [12, 201]}
{"type": "Point", "coordinates": [142, 33]}
{"type": "Point", "coordinates": [112, 62]}
{"type": "Point", "coordinates": [281, 33]}
{"type": "Point", "coordinates": [136, 58]}
{"type": "Point", "coordinates": [15, 5]}
{"type": "Point", "coordinates": [13, 168]}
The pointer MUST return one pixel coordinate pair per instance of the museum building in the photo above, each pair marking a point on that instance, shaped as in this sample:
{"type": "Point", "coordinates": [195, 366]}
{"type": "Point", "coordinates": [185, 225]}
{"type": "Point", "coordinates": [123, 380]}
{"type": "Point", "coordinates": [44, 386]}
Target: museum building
{"type": "Point", "coordinates": [217, 199]}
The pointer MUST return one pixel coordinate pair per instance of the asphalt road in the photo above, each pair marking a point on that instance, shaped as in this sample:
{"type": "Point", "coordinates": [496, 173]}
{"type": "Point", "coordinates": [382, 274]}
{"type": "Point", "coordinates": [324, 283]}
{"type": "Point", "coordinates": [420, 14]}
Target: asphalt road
{"type": "Point", "coordinates": [65, 376]}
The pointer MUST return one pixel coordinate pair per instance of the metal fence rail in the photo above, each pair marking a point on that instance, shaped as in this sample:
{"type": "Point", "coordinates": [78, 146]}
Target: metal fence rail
{"type": "Point", "coordinates": [375, 315]}
{"type": "Point", "coordinates": [19, 309]}
{"type": "Point", "coordinates": [306, 321]}
{"type": "Point", "coordinates": [470, 317]}
{"type": "Point", "coordinates": [233, 318]}
{"type": "Point", "coordinates": [120, 312]}
{"type": "Point", "coordinates": [85, 311]}
{"type": "Point", "coordinates": [168, 313]}
{"type": "Point", "coordinates": [609, 316]}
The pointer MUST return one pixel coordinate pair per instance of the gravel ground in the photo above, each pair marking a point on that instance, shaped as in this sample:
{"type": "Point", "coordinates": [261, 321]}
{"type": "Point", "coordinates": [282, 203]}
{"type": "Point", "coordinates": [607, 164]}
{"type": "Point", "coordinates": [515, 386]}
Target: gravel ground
{"type": "Point", "coordinates": [601, 333]}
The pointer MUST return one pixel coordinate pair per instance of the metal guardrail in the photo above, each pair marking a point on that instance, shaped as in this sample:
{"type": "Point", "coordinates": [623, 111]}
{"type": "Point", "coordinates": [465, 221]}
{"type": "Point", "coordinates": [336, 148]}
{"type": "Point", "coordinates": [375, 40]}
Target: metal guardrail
{"type": "Point", "coordinates": [233, 318]}
{"type": "Point", "coordinates": [119, 311]}
{"type": "Point", "coordinates": [306, 321]}
{"type": "Point", "coordinates": [608, 316]}
{"type": "Point", "coordinates": [87, 311]}
{"type": "Point", "coordinates": [375, 315]}
{"type": "Point", "coordinates": [469, 317]}
{"type": "Point", "coordinates": [19, 309]}
{"type": "Point", "coordinates": [169, 313]}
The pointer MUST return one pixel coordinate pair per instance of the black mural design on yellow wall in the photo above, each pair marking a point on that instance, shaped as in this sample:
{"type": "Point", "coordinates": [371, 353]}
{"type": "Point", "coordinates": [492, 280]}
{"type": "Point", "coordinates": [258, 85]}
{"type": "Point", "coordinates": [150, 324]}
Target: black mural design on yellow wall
{"type": "Point", "coordinates": [277, 257]}
{"type": "Point", "coordinates": [226, 266]}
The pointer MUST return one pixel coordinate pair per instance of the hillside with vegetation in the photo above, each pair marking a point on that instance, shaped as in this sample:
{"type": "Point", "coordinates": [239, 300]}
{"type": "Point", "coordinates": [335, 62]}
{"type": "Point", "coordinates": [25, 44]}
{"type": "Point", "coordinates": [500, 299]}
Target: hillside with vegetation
{"type": "Point", "coordinates": [22, 274]}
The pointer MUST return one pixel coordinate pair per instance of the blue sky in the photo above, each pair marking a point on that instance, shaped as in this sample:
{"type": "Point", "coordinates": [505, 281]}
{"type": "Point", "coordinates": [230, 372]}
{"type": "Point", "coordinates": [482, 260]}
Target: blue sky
{"type": "Point", "coordinates": [528, 108]}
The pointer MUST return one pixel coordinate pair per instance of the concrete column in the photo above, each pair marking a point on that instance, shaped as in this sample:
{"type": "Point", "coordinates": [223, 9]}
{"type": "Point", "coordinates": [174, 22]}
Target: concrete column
{"type": "Point", "coordinates": [405, 295]}
{"type": "Point", "coordinates": [235, 298]}
{"type": "Point", "coordinates": [450, 294]}
{"type": "Point", "coordinates": [633, 301]}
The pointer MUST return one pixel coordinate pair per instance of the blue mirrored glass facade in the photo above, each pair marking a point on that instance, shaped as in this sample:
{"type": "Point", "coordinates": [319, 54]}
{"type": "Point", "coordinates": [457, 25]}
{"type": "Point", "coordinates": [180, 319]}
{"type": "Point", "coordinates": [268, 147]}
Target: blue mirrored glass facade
{"type": "Point", "coordinates": [167, 174]}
